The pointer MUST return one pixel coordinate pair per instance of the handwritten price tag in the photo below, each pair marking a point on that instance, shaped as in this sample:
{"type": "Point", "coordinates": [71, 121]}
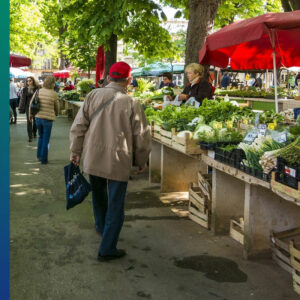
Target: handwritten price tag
{"type": "Point", "coordinates": [262, 130]}
{"type": "Point", "coordinates": [250, 137]}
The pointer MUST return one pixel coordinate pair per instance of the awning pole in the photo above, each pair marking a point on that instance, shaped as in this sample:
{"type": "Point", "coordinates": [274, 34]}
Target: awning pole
{"type": "Point", "coordinates": [274, 70]}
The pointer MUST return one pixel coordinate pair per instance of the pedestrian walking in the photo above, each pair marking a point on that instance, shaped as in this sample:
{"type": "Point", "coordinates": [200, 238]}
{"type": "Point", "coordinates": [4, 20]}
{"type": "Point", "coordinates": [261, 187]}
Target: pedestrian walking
{"type": "Point", "coordinates": [13, 100]}
{"type": "Point", "coordinates": [108, 129]}
{"type": "Point", "coordinates": [49, 108]}
{"type": "Point", "coordinates": [30, 88]}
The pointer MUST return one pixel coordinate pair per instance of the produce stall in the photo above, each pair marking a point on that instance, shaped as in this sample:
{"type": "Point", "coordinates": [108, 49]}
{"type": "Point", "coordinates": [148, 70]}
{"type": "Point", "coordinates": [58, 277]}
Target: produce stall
{"type": "Point", "coordinates": [250, 192]}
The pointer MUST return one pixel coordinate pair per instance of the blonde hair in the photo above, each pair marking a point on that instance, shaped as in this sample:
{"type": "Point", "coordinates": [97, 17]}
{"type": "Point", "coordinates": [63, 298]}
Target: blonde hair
{"type": "Point", "coordinates": [196, 68]}
{"type": "Point", "coordinates": [48, 82]}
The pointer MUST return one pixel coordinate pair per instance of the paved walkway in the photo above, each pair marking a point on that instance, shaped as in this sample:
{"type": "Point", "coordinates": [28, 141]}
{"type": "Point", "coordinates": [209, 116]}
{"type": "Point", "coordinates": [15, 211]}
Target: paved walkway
{"type": "Point", "coordinates": [53, 251]}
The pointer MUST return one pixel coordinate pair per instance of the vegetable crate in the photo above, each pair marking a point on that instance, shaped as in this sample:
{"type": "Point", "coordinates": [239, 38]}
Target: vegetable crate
{"type": "Point", "coordinates": [237, 230]}
{"type": "Point", "coordinates": [280, 246]}
{"type": "Point", "coordinates": [155, 131]}
{"type": "Point", "coordinates": [205, 184]}
{"type": "Point", "coordinates": [185, 144]}
{"type": "Point", "coordinates": [287, 174]}
{"type": "Point", "coordinates": [295, 262]}
{"type": "Point", "coordinates": [285, 189]}
{"type": "Point", "coordinates": [199, 206]}
{"type": "Point", "coordinates": [166, 136]}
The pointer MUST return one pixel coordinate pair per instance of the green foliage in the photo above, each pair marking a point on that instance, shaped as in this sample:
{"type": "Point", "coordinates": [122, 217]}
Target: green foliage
{"type": "Point", "coordinates": [85, 86]}
{"type": "Point", "coordinates": [69, 95]}
{"type": "Point", "coordinates": [27, 33]}
{"type": "Point", "coordinates": [144, 85]}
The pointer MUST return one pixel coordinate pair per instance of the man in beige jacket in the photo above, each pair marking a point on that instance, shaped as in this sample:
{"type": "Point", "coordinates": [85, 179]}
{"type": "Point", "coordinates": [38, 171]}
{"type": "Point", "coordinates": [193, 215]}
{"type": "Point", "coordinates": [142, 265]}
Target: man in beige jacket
{"type": "Point", "coordinates": [106, 138]}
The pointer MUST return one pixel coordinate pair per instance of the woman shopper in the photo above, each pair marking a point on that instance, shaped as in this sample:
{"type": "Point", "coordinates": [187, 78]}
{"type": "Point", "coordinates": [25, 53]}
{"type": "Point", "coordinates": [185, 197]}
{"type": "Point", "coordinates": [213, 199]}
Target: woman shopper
{"type": "Point", "coordinates": [30, 88]}
{"type": "Point", "coordinates": [49, 108]}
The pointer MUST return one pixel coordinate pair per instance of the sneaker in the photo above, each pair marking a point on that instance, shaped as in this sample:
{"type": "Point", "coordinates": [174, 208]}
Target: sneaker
{"type": "Point", "coordinates": [119, 254]}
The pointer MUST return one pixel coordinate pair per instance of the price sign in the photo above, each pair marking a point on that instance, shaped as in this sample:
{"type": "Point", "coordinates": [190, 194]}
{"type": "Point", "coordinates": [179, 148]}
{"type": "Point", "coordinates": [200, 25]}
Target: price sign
{"type": "Point", "coordinates": [217, 125]}
{"type": "Point", "coordinates": [262, 130]}
{"type": "Point", "coordinates": [250, 137]}
{"type": "Point", "coordinates": [281, 138]}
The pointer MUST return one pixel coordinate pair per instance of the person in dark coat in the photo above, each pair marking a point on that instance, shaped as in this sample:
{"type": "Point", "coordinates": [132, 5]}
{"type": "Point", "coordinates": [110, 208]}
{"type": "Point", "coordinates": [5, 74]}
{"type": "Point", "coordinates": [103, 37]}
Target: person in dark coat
{"type": "Point", "coordinates": [167, 80]}
{"type": "Point", "coordinates": [197, 87]}
{"type": "Point", "coordinates": [30, 88]}
{"type": "Point", "coordinates": [225, 80]}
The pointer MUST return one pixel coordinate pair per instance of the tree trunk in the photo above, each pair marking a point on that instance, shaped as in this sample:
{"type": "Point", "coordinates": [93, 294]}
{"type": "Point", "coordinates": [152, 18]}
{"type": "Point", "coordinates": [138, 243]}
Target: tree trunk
{"type": "Point", "coordinates": [286, 5]}
{"type": "Point", "coordinates": [290, 5]}
{"type": "Point", "coordinates": [295, 4]}
{"type": "Point", "coordinates": [111, 53]}
{"type": "Point", "coordinates": [201, 19]}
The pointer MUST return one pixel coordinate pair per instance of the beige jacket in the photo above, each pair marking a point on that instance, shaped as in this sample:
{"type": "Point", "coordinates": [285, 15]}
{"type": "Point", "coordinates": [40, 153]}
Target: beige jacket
{"type": "Point", "coordinates": [49, 105]}
{"type": "Point", "coordinates": [107, 143]}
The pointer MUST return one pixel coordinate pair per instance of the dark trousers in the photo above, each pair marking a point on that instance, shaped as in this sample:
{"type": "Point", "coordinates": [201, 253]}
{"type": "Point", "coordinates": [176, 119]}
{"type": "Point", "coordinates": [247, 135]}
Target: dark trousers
{"type": "Point", "coordinates": [31, 126]}
{"type": "Point", "coordinates": [108, 206]}
{"type": "Point", "coordinates": [13, 104]}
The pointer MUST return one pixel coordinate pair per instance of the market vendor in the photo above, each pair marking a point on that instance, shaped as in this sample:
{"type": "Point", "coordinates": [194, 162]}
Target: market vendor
{"type": "Point", "coordinates": [167, 80]}
{"type": "Point", "coordinates": [69, 86]}
{"type": "Point", "coordinates": [198, 88]}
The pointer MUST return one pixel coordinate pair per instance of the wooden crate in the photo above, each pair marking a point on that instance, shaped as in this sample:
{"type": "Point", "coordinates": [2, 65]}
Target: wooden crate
{"type": "Point", "coordinates": [280, 246]}
{"type": "Point", "coordinates": [237, 230]}
{"type": "Point", "coordinates": [295, 262]}
{"type": "Point", "coordinates": [185, 144]}
{"type": "Point", "coordinates": [286, 190]}
{"type": "Point", "coordinates": [205, 182]}
{"type": "Point", "coordinates": [166, 136]}
{"type": "Point", "coordinates": [155, 131]}
{"type": "Point", "coordinates": [199, 206]}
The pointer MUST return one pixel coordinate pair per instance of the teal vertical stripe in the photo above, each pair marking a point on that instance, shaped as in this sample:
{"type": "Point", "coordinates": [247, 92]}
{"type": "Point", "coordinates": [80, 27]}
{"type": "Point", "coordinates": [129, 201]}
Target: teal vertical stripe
{"type": "Point", "coordinates": [4, 153]}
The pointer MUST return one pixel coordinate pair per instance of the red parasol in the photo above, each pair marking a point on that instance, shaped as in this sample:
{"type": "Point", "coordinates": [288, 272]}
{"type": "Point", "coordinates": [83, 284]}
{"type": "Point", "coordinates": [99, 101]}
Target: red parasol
{"type": "Point", "coordinates": [19, 61]}
{"type": "Point", "coordinates": [264, 42]}
{"type": "Point", "coordinates": [100, 64]}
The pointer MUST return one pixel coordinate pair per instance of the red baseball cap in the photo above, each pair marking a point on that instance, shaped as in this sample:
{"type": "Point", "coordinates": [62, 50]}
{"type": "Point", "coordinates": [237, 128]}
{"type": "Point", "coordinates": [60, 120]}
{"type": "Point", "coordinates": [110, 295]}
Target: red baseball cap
{"type": "Point", "coordinates": [120, 70]}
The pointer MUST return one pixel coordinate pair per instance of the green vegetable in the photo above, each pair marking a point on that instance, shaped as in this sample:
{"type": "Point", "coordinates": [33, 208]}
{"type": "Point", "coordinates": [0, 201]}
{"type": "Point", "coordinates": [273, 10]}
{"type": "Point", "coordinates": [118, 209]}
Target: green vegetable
{"type": "Point", "coordinates": [291, 153]}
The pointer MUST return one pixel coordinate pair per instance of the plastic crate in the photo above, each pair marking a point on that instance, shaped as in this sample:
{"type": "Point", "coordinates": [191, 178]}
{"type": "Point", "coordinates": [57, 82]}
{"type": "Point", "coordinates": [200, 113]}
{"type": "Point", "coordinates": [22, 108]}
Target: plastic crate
{"type": "Point", "coordinates": [284, 167]}
{"type": "Point", "coordinates": [286, 180]}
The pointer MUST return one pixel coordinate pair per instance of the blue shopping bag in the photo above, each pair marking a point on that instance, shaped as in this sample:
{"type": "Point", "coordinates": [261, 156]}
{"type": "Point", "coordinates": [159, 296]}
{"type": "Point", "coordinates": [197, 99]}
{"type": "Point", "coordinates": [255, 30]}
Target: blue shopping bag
{"type": "Point", "coordinates": [77, 187]}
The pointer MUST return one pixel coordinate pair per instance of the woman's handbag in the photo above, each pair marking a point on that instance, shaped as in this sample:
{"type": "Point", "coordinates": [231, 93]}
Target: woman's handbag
{"type": "Point", "coordinates": [35, 104]}
{"type": "Point", "coordinates": [77, 187]}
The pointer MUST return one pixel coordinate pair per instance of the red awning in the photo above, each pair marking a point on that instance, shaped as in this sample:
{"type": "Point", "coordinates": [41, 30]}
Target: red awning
{"type": "Point", "coordinates": [19, 61]}
{"type": "Point", "coordinates": [247, 44]}
{"type": "Point", "coordinates": [61, 74]}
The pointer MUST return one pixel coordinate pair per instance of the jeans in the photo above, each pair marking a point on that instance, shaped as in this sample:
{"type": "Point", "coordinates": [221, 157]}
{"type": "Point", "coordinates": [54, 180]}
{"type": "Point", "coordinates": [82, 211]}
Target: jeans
{"type": "Point", "coordinates": [13, 104]}
{"type": "Point", "coordinates": [108, 205]}
{"type": "Point", "coordinates": [31, 126]}
{"type": "Point", "coordinates": [44, 129]}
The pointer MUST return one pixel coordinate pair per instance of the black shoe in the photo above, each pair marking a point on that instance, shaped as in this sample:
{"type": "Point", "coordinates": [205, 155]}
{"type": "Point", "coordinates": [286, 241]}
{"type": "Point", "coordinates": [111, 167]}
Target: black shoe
{"type": "Point", "coordinates": [30, 140]}
{"type": "Point", "coordinates": [120, 254]}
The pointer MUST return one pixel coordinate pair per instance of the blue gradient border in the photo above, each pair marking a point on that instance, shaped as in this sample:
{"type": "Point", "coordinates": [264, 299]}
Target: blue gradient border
{"type": "Point", "coordinates": [4, 146]}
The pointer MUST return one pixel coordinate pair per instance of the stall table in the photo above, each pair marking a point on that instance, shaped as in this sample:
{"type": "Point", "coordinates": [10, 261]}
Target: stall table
{"type": "Point", "coordinates": [234, 194]}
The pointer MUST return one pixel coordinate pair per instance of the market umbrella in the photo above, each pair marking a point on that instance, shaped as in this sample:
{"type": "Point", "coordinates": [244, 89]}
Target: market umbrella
{"type": "Point", "coordinates": [17, 73]}
{"type": "Point", "coordinates": [100, 64]}
{"type": "Point", "coordinates": [61, 74]}
{"type": "Point", "coordinates": [264, 42]}
{"type": "Point", "coordinates": [19, 60]}
{"type": "Point", "coordinates": [157, 69]}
